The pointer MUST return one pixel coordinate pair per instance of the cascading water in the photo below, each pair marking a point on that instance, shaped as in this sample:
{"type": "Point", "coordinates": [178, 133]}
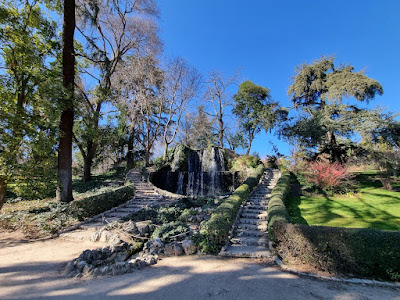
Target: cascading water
{"type": "Point", "coordinates": [203, 174]}
{"type": "Point", "coordinates": [180, 183]}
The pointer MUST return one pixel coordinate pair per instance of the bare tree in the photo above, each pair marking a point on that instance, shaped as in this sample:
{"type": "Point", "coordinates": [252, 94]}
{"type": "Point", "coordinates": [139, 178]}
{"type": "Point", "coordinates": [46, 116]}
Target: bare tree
{"type": "Point", "coordinates": [218, 94]}
{"type": "Point", "coordinates": [181, 83]}
{"type": "Point", "coordinates": [138, 85]}
{"type": "Point", "coordinates": [112, 30]}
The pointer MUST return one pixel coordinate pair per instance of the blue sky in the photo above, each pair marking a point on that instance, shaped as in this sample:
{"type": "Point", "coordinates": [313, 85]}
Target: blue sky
{"type": "Point", "coordinates": [266, 39]}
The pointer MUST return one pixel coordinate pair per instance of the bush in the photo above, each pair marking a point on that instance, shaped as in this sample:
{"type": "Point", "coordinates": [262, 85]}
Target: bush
{"type": "Point", "coordinates": [216, 230]}
{"type": "Point", "coordinates": [276, 207]}
{"type": "Point", "coordinates": [359, 252]}
{"type": "Point", "coordinates": [168, 232]}
{"type": "Point", "coordinates": [93, 205]}
{"type": "Point", "coordinates": [186, 213]}
{"type": "Point", "coordinates": [143, 214]}
{"type": "Point", "coordinates": [168, 214]}
{"type": "Point", "coordinates": [328, 176]}
{"type": "Point", "coordinates": [246, 161]}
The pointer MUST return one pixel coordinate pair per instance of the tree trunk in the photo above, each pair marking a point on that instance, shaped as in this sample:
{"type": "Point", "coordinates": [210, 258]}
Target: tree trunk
{"type": "Point", "coordinates": [221, 132]}
{"type": "Point", "coordinates": [129, 155]}
{"type": "Point", "coordinates": [147, 157]}
{"type": "Point", "coordinates": [64, 189]}
{"type": "Point", "coordinates": [88, 161]}
{"type": "Point", "coordinates": [335, 153]}
{"type": "Point", "coordinates": [251, 137]}
{"type": "Point", "coordinates": [166, 151]}
{"type": "Point", "coordinates": [3, 190]}
{"type": "Point", "coordinates": [87, 169]}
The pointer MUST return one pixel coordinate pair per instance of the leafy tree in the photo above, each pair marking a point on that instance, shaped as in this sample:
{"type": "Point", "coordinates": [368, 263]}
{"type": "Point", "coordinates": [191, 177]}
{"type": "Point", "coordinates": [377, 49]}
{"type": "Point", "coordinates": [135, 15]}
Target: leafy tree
{"type": "Point", "coordinates": [235, 138]}
{"type": "Point", "coordinates": [318, 92]}
{"type": "Point", "coordinates": [256, 110]}
{"type": "Point", "coordinates": [29, 88]}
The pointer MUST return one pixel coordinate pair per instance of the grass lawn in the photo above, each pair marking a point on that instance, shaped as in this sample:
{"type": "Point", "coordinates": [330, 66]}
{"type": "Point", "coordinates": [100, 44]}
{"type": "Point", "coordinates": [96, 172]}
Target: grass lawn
{"type": "Point", "coordinates": [370, 207]}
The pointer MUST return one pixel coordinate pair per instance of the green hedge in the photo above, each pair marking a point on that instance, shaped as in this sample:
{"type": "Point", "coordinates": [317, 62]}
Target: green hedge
{"type": "Point", "coordinates": [276, 207]}
{"type": "Point", "coordinates": [93, 205]}
{"type": "Point", "coordinates": [215, 231]}
{"type": "Point", "coordinates": [369, 253]}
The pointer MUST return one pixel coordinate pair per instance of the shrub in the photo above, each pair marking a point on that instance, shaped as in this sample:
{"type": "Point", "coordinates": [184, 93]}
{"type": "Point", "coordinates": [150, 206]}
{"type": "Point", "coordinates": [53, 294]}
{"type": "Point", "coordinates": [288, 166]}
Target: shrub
{"type": "Point", "coordinates": [146, 213]}
{"type": "Point", "coordinates": [186, 213]}
{"type": "Point", "coordinates": [328, 176]}
{"type": "Point", "coordinates": [169, 232]}
{"type": "Point", "coordinates": [216, 230]}
{"type": "Point", "coordinates": [245, 161]}
{"type": "Point", "coordinates": [97, 204]}
{"type": "Point", "coordinates": [276, 207]}
{"type": "Point", "coordinates": [360, 252]}
{"type": "Point", "coordinates": [168, 214]}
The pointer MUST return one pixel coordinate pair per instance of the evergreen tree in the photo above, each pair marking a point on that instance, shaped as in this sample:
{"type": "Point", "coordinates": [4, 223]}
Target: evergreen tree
{"type": "Point", "coordinates": [326, 121]}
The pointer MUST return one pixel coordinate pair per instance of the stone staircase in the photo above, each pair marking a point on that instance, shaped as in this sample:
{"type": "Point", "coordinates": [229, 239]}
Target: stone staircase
{"type": "Point", "coordinates": [249, 235]}
{"type": "Point", "coordinates": [145, 195]}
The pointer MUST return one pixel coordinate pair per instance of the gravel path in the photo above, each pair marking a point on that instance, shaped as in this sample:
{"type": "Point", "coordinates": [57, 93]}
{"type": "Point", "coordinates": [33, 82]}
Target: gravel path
{"type": "Point", "coordinates": [32, 271]}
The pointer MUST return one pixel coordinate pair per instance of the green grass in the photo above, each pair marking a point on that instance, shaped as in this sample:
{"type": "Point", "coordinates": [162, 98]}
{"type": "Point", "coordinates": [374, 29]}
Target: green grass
{"type": "Point", "coordinates": [369, 207]}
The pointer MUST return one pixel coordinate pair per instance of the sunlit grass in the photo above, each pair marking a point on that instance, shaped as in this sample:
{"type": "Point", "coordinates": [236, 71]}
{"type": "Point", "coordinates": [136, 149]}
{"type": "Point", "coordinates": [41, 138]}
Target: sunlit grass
{"type": "Point", "coordinates": [370, 207]}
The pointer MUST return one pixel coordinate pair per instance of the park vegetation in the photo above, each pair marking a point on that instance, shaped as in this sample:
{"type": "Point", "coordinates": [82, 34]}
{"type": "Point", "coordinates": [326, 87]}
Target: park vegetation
{"type": "Point", "coordinates": [95, 93]}
{"type": "Point", "coordinates": [102, 95]}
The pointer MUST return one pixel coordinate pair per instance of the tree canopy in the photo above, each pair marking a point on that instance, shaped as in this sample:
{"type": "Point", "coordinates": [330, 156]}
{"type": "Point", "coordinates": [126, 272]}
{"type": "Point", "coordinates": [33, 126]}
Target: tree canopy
{"type": "Point", "coordinates": [327, 117]}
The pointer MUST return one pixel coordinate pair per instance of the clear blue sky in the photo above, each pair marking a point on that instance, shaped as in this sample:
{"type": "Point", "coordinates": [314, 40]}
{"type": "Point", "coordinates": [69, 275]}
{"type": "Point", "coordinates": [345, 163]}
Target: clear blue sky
{"type": "Point", "coordinates": [266, 39]}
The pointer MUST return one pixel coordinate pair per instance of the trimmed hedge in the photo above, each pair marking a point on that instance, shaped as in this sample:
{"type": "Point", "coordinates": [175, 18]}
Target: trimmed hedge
{"type": "Point", "coordinates": [276, 207]}
{"type": "Point", "coordinates": [215, 231]}
{"type": "Point", "coordinates": [369, 253]}
{"type": "Point", "coordinates": [93, 205]}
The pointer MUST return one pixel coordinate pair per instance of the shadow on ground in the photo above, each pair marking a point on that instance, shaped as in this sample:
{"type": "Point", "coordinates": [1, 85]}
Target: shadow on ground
{"type": "Point", "coordinates": [180, 278]}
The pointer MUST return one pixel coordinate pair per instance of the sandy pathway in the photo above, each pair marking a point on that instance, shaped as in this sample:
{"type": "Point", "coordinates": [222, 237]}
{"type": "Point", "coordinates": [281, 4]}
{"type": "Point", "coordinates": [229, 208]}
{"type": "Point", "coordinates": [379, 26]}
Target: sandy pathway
{"type": "Point", "coordinates": [31, 271]}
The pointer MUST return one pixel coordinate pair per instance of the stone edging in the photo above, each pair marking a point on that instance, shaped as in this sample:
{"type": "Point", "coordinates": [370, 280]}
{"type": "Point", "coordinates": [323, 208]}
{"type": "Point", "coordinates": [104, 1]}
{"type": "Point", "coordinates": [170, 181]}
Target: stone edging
{"type": "Point", "coordinates": [367, 282]}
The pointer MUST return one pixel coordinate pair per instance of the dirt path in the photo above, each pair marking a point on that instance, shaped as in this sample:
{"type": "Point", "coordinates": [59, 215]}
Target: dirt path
{"type": "Point", "coordinates": [31, 271]}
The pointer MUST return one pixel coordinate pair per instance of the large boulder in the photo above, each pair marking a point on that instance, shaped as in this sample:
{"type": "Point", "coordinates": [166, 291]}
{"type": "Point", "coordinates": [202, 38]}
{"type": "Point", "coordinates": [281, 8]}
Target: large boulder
{"type": "Point", "coordinates": [189, 247]}
{"type": "Point", "coordinates": [173, 249]}
{"type": "Point", "coordinates": [154, 246]}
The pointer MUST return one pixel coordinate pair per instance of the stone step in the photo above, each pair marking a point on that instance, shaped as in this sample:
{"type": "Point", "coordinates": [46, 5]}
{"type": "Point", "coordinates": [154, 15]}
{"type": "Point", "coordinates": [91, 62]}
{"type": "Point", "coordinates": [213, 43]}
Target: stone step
{"type": "Point", "coordinates": [249, 241]}
{"type": "Point", "coordinates": [129, 209]}
{"type": "Point", "coordinates": [253, 221]}
{"type": "Point", "coordinates": [255, 233]}
{"type": "Point", "coordinates": [255, 206]}
{"type": "Point", "coordinates": [253, 211]}
{"type": "Point", "coordinates": [246, 251]}
{"type": "Point", "coordinates": [246, 226]}
{"type": "Point", "coordinates": [134, 206]}
{"type": "Point", "coordinates": [263, 216]}
{"type": "Point", "coordinates": [262, 203]}
{"type": "Point", "coordinates": [117, 214]}
{"type": "Point", "coordinates": [141, 198]}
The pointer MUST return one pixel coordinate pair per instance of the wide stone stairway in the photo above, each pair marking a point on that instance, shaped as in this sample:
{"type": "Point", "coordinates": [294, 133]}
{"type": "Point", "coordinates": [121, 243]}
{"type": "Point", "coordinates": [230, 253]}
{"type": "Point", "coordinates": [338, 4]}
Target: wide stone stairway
{"type": "Point", "coordinates": [249, 235]}
{"type": "Point", "coordinates": [145, 195]}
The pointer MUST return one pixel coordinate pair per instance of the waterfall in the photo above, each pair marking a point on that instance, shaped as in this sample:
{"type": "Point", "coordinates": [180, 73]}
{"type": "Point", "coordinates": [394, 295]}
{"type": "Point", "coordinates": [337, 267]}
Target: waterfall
{"type": "Point", "coordinates": [190, 185]}
{"type": "Point", "coordinates": [180, 183]}
{"type": "Point", "coordinates": [203, 173]}
{"type": "Point", "coordinates": [175, 162]}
